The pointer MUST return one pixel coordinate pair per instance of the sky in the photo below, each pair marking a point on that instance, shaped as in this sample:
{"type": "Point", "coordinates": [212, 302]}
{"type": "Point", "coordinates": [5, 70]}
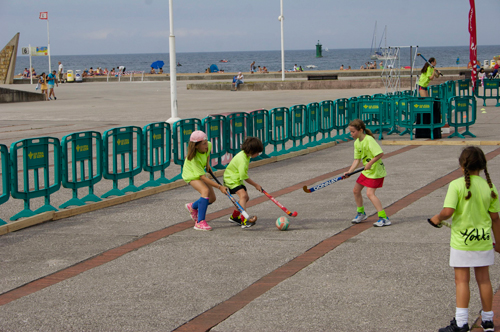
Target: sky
{"type": "Point", "coordinates": [79, 27]}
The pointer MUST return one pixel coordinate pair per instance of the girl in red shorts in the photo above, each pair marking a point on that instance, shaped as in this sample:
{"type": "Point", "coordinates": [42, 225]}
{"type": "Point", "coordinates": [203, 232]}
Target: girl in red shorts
{"type": "Point", "coordinates": [367, 150]}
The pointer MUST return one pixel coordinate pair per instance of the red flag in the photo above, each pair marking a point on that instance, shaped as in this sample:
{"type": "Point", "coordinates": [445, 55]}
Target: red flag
{"type": "Point", "coordinates": [44, 15]}
{"type": "Point", "coordinates": [473, 42]}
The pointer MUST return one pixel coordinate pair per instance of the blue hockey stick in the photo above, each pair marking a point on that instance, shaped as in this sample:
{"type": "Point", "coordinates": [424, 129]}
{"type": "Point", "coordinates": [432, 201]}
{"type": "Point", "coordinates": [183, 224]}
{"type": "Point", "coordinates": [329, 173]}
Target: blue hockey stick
{"type": "Point", "coordinates": [329, 182]}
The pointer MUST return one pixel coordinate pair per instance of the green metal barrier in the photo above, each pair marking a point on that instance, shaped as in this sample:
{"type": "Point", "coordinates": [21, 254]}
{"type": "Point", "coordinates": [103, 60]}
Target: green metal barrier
{"type": "Point", "coordinates": [157, 138]}
{"type": "Point", "coordinates": [327, 119]}
{"type": "Point", "coordinates": [123, 143]}
{"type": "Point", "coordinates": [418, 107]}
{"type": "Point", "coordinates": [375, 114]}
{"type": "Point", "coordinates": [238, 130]}
{"type": "Point", "coordinates": [352, 108]}
{"type": "Point", "coordinates": [451, 89]}
{"type": "Point", "coordinates": [4, 197]}
{"type": "Point", "coordinates": [298, 115]}
{"type": "Point", "coordinates": [181, 132]}
{"type": "Point", "coordinates": [312, 124]}
{"type": "Point", "coordinates": [259, 125]}
{"type": "Point", "coordinates": [78, 151]}
{"type": "Point", "coordinates": [342, 119]}
{"type": "Point", "coordinates": [215, 126]}
{"type": "Point", "coordinates": [464, 88]}
{"type": "Point", "coordinates": [490, 90]}
{"type": "Point", "coordinates": [402, 114]}
{"type": "Point", "coordinates": [280, 126]}
{"type": "Point", "coordinates": [36, 155]}
{"type": "Point", "coordinates": [462, 112]}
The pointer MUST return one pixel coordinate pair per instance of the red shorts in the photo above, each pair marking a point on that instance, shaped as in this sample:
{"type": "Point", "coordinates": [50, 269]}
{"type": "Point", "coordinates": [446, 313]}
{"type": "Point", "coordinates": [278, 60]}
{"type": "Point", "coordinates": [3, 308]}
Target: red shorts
{"type": "Point", "coordinates": [370, 183]}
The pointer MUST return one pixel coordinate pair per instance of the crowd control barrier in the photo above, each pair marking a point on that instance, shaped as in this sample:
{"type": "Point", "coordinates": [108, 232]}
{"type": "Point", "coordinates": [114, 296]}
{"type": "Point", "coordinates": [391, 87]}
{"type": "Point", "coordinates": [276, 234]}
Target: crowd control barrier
{"type": "Point", "coordinates": [157, 138]}
{"type": "Point", "coordinates": [326, 120]}
{"type": "Point", "coordinates": [464, 88]}
{"type": "Point", "coordinates": [298, 131]}
{"type": "Point", "coordinates": [181, 133]}
{"type": "Point", "coordinates": [259, 125]}
{"type": "Point", "coordinates": [4, 197]}
{"type": "Point", "coordinates": [78, 151]}
{"type": "Point", "coordinates": [312, 124]}
{"type": "Point", "coordinates": [342, 119]}
{"type": "Point", "coordinates": [462, 112]}
{"type": "Point", "coordinates": [238, 124]}
{"type": "Point", "coordinates": [36, 155]}
{"type": "Point", "coordinates": [375, 114]}
{"type": "Point", "coordinates": [215, 126]}
{"type": "Point", "coordinates": [122, 144]}
{"type": "Point", "coordinates": [280, 125]}
{"type": "Point", "coordinates": [419, 109]}
{"type": "Point", "coordinates": [490, 90]}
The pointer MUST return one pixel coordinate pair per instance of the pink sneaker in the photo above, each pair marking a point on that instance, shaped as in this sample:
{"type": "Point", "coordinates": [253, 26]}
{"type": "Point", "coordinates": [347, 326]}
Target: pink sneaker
{"type": "Point", "coordinates": [202, 226]}
{"type": "Point", "coordinates": [192, 212]}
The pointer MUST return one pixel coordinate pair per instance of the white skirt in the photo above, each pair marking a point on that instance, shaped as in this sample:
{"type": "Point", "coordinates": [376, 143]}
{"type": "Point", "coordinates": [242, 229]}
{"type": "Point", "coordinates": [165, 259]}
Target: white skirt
{"type": "Point", "coordinates": [461, 258]}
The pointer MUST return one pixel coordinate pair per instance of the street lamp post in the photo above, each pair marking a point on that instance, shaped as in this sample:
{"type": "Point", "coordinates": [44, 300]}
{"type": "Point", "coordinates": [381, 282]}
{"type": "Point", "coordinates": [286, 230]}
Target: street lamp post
{"type": "Point", "coordinates": [281, 19]}
{"type": "Point", "coordinates": [173, 68]}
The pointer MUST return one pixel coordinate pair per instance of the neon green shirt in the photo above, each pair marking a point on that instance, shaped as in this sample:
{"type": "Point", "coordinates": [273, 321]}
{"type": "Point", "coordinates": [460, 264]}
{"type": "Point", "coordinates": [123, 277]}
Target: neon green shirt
{"type": "Point", "coordinates": [237, 170]}
{"type": "Point", "coordinates": [425, 78]}
{"type": "Point", "coordinates": [366, 150]}
{"type": "Point", "coordinates": [193, 169]}
{"type": "Point", "coordinates": [471, 226]}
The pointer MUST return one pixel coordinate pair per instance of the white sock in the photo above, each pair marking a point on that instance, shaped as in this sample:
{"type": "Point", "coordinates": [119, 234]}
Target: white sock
{"type": "Point", "coordinates": [462, 316]}
{"type": "Point", "coordinates": [486, 316]}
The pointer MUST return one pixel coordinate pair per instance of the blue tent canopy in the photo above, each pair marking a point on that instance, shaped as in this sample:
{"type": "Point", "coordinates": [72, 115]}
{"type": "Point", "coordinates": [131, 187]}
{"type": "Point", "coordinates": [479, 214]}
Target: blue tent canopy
{"type": "Point", "coordinates": [214, 69]}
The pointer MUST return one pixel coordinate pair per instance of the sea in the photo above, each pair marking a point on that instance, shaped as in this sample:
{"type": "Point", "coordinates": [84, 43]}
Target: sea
{"type": "Point", "coordinates": [198, 62]}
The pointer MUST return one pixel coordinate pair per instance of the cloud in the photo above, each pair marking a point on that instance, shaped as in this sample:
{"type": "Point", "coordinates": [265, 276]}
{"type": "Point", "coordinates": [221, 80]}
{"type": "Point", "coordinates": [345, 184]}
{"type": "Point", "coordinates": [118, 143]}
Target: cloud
{"type": "Point", "coordinates": [97, 35]}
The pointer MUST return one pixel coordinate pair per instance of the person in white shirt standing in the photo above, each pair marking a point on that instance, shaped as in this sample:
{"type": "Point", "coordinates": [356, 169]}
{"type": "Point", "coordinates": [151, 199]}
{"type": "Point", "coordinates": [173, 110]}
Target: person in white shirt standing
{"type": "Point", "coordinates": [60, 72]}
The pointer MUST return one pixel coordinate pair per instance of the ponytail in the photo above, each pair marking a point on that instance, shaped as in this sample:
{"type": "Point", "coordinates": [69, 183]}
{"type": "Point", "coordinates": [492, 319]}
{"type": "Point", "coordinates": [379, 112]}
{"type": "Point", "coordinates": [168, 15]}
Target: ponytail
{"type": "Point", "coordinates": [359, 124]}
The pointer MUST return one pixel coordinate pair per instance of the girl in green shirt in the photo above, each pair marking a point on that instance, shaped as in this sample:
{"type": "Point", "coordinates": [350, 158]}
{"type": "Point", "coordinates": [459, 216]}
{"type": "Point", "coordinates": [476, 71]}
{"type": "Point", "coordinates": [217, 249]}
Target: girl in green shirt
{"type": "Point", "coordinates": [473, 204]}
{"type": "Point", "coordinates": [427, 74]}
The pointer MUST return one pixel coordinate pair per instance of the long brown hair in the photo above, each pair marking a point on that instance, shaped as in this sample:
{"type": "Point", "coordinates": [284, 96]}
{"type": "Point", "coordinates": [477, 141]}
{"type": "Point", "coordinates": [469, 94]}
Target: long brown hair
{"type": "Point", "coordinates": [359, 124]}
{"type": "Point", "coordinates": [424, 68]}
{"type": "Point", "coordinates": [472, 158]}
{"type": "Point", "coordinates": [191, 153]}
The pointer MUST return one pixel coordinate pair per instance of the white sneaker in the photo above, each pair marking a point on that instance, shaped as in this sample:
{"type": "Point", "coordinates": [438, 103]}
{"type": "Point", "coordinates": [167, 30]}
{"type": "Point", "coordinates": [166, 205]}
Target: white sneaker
{"type": "Point", "coordinates": [359, 218]}
{"type": "Point", "coordinates": [382, 222]}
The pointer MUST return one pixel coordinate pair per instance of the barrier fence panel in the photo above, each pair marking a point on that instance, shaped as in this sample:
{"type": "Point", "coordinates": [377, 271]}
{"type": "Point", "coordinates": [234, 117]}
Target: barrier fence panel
{"type": "Point", "coordinates": [352, 107]}
{"type": "Point", "coordinates": [489, 90]}
{"type": "Point", "coordinates": [419, 109]}
{"type": "Point", "coordinates": [342, 119]}
{"type": "Point", "coordinates": [36, 155]}
{"type": "Point", "coordinates": [78, 151]}
{"type": "Point", "coordinates": [464, 87]}
{"type": "Point", "coordinates": [462, 112]}
{"type": "Point", "coordinates": [402, 113]}
{"type": "Point", "coordinates": [280, 125]}
{"type": "Point", "coordinates": [126, 149]}
{"type": "Point", "coordinates": [312, 124]}
{"type": "Point", "coordinates": [157, 138]}
{"type": "Point", "coordinates": [181, 132]}
{"type": "Point", "coordinates": [238, 124]}
{"type": "Point", "coordinates": [327, 119]}
{"type": "Point", "coordinates": [259, 125]}
{"type": "Point", "coordinates": [4, 156]}
{"type": "Point", "coordinates": [451, 89]}
{"type": "Point", "coordinates": [374, 113]}
{"type": "Point", "coordinates": [298, 132]}
{"type": "Point", "coordinates": [215, 126]}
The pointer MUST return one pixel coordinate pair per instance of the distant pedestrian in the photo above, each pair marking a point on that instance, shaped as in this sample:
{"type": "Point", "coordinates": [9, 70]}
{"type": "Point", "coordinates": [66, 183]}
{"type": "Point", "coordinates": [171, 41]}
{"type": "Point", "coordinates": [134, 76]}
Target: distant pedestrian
{"type": "Point", "coordinates": [368, 152]}
{"type": "Point", "coordinates": [60, 72]}
{"type": "Point", "coordinates": [42, 81]}
{"type": "Point", "coordinates": [51, 80]}
{"type": "Point", "coordinates": [252, 66]}
{"type": "Point", "coordinates": [473, 205]}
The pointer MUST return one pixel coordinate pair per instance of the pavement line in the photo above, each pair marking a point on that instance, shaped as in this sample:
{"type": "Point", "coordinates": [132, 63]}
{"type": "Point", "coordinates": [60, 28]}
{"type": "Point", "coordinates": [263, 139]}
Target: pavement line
{"type": "Point", "coordinates": [214, 316]}
{"type": "Point", "coordinates": [445, 143]}
{"type": "Point", "coordinates": [112, 254]}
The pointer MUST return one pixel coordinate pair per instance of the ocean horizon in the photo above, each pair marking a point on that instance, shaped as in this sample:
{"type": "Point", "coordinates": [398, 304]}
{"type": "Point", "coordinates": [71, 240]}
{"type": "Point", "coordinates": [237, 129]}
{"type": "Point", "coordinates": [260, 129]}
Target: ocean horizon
{"type": "Point", "coordinates": [198, 62]}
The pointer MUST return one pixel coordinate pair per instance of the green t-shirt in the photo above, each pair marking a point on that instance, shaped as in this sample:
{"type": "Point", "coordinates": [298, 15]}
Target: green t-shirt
{"type": "Point", "coordinates": [366, 150]}
{"type": "Point", "coordinates": [237, 170]}
{"type": "Point", "coordinates": [425, 78]}
{"type": "Point", "coordinates": [193, 169]}
{"type": "Point", "coordinates": [471, 226]}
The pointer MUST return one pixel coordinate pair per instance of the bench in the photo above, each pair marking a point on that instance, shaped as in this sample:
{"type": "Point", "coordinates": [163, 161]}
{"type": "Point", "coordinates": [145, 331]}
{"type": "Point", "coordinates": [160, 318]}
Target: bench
{"type": "Point", "coordinates": [322, 77]}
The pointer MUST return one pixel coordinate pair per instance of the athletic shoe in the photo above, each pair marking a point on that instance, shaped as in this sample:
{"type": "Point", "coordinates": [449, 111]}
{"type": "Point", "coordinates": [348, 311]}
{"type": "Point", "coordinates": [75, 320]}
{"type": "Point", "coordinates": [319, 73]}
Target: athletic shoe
{"type": "Point", "coordinates": [359, 218]}
{"type": "Point", "coordinates": [454, 328]}
{"type": "Point", "coordinates": [202, 226]}
{"type": "Point", "coordinates": [236, 220]}
{"type": "Point", "coordinates": [55, 98]}
{"type": "Point", "coordinates": [488, 326]}
{"type": "Point", "coordinates": [50, 98]}
{"type": "Point", "coordinates": [382, 222]}
{"type": "Point", "coordinates": [192, 212]}
{"type": "Point", "coordinates": [247, 224]}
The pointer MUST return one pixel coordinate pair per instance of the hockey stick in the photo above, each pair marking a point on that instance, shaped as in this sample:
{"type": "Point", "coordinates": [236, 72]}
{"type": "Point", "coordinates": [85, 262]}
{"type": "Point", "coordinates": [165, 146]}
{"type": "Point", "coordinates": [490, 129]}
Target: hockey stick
{"type": "Point", "coordinates": [294, 214]}
{"type": "Point", "coordinates": [440, 224]}
{"type": "Point", "coordinates": [329, 182]}
{"type": "Point", "coordinates": [429, 63]}
{"type": "Point", "coordinates": [235, 202]}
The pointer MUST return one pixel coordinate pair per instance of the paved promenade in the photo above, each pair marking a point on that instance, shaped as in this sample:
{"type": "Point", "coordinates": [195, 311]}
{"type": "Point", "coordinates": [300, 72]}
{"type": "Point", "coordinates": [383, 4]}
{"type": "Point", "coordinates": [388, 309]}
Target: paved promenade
{"type": "Point", "coordinates": [140, 266]}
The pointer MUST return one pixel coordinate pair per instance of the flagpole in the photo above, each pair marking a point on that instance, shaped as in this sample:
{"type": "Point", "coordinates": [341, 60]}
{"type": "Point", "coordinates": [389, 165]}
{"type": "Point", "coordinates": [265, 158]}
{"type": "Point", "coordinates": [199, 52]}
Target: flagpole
{"type": "Point", "coordinates": [48, 45]}
{"type": "Point", "coordinates": [31, 66]}
{"type": "Point", "coordinates": [173, 68]}
{"type": "Point", "coordinates": [282, 18]}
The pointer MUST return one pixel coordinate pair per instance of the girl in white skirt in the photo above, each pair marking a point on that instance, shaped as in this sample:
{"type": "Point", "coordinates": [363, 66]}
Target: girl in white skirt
{"type": "Point", "coordinates": [473, 204]}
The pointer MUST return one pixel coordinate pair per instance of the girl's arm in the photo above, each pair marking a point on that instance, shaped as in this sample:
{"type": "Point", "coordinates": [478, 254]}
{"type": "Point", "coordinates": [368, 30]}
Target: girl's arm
{"type": "Point", "coordinates": [256, 185]}
{"type": "Point", "coordinates": [213, 184]}
{"type": "Point", "coordinates": [354, 165]}
{"type": "Point", "coordinates": [495, 226]}
{"type": "Point", "coordinates": [371, 162]}
{"type": "Point", "coordinates": [445, 214]}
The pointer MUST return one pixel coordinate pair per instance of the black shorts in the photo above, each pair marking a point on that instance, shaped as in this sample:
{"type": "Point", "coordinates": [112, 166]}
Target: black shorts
{"type": "Point", "coordinates": [422, 88]}
{"type": "Point", "coordinates": [236, 189]}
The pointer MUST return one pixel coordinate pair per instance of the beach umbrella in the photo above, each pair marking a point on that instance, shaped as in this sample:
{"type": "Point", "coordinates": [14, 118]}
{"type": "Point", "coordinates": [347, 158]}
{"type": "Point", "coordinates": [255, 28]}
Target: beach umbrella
{"type": "Point", "coordinates": [158, 64]}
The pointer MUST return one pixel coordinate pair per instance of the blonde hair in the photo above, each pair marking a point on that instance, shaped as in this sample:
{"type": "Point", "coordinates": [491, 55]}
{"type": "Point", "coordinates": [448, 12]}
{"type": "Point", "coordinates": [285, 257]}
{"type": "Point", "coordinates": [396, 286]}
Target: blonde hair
{"type": "Point", "coordinates": [359, 124]}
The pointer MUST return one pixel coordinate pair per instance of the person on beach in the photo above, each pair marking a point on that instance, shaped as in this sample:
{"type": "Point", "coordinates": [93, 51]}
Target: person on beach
{"type": "Point", "coordinates": [341, 67]}
{"type": "Point", "coordinates": [42, 80]}
{"type": "Point", "coordinates": [152, 71]}
{"type": "Point", "coordinates": [368, 152]}
{"type": "Point", "coordinates": [473, 205]}
{"type": "Point", "coordinates": [237, 80]}
{"type": "Point", "coordinates": [193, 172]}
{"type": "Point", "coordinates": [51, 80]}
{"type": "Point", "coordinates": [252, 66]}
{"type": "Point", "coordinates": [427, 74]}
{"type": "Point", "coordinates": [60, 72]}
{"type": "Point", "coordinates": [237, 172]}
